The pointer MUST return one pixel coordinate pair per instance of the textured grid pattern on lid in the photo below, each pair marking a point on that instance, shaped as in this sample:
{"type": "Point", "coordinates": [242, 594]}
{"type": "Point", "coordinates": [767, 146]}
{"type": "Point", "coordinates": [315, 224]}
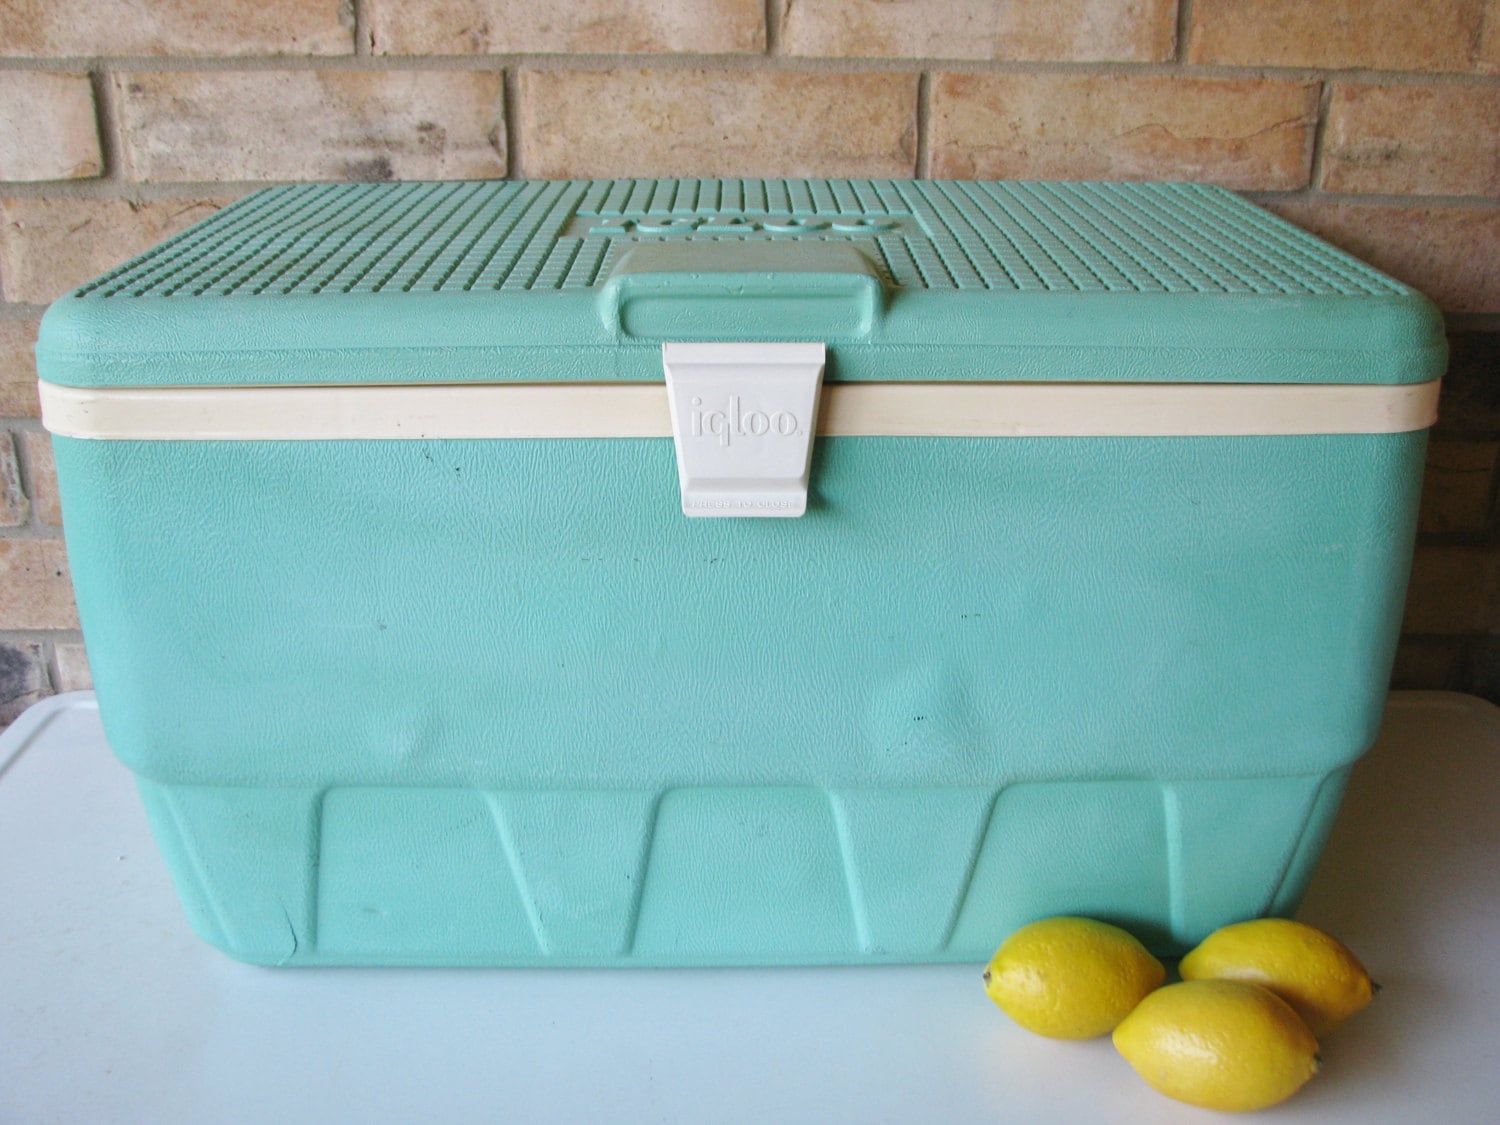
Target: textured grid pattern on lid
{"type": "Point", "coordinates": [483, 236]}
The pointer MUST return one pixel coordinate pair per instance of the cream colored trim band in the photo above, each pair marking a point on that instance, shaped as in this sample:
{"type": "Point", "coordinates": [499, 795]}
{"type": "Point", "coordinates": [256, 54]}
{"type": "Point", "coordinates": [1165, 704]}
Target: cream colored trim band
{"type": "Point", "coordinates": [628, 410]}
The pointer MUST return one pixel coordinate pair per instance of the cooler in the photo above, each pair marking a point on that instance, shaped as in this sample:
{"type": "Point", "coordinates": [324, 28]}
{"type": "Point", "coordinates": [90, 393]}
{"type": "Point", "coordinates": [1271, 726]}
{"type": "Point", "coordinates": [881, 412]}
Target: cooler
{"type": "Point", "coordinates": [682, 572]}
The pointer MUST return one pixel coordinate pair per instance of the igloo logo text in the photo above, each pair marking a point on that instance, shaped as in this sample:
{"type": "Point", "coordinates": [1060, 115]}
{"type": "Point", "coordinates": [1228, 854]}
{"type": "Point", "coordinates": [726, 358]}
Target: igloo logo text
{"type": "Point", "coordinates": [735, 422]}
{"type": "Point", "coordinates": [743, 418]}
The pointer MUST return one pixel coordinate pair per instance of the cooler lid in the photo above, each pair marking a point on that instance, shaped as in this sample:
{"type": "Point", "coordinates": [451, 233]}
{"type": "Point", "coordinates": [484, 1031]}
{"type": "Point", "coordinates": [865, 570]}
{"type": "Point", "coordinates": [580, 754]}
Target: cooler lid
{"type": "Point", "coordinates": [583, 281]}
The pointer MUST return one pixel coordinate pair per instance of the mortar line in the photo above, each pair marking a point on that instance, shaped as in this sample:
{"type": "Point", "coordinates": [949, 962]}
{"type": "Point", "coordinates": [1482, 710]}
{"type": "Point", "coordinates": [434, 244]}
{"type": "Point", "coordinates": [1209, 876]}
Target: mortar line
{"type": "Point", "coordinates": [39, 636]}
{"type": "Point", "coordinates": [1320, 127]}
{"type": "Point", "coordinates": [49, 665]}
{"type": "Point", "coordinates": [774, 12]}
{"type": "Point", "coordinates": [25, 478]}
{"type": "Point", "coordinates": [1472, 321]}
{"type": "Point", "coordinates": [187, 191]}
{"type": "Point", "coordinates": [510, 82]}
{"type": "Point", "coordinates": [1182, 31]}
{"type": "Point", "coordinates": [753, 61]}
{"type": "Point", "coordinates": [32, 531]}
{"type": "Point", "coordinates": [106, 122]}
{"type": "Point", "coordinates": [924, 126]}
{"type": "Point", "coordinates": [1371, 199]}
{"type": "Point", "coordinates": [18, 459]}
{"type": "Point", "coordinates": [1472, 542]}
{"type": "Point", "coordinates": [362, 44]}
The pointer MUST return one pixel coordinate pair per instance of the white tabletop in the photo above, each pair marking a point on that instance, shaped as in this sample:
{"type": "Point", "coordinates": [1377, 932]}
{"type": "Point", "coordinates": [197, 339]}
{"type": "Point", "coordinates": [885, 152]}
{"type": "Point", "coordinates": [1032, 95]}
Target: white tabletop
{"type": "Point", "coordinates": [112, 1011]}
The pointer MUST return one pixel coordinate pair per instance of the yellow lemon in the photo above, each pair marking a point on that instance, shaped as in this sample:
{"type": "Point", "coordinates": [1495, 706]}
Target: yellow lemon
{"type": "Point", "coordinates": [1070, 978]}
{"type": "Point", "coordinates": [1219, 1044]}
{"type": "Point", "coordinates": [1311, 971]}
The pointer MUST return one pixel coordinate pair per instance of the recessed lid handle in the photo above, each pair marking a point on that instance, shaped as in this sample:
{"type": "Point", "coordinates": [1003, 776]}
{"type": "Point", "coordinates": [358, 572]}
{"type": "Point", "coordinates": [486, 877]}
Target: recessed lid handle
{"type": "Point", "coordinates": [708, 290]}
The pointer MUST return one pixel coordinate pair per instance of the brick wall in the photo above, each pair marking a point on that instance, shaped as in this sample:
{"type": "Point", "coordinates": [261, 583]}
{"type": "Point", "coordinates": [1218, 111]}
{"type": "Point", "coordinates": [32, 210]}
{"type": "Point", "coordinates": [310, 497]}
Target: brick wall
{"type": "Point", "coordinates": [1375, 123]}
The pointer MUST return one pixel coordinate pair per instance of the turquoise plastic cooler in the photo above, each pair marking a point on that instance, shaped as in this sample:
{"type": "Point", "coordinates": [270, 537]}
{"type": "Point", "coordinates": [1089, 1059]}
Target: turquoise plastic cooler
{"type": "Point", "coordinates": [640, 572]}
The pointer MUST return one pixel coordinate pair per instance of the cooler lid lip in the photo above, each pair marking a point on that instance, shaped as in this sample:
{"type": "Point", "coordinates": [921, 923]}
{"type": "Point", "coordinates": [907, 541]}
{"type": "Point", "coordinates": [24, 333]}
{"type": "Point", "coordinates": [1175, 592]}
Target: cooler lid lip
{"type": "Point", "coordinates": [1314, 340]}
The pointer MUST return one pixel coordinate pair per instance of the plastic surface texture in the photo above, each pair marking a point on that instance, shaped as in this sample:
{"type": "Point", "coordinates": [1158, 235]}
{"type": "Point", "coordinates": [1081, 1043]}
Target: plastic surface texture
{"type": "Point", "coordinates": [415, 702]}
{"type": "Point", "coordinates": [582, 280]}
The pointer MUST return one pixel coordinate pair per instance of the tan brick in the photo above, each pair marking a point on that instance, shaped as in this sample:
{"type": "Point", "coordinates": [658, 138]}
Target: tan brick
{"type": "Point", "coordinates": [312, 125]}
{"type": "Point", "coordinates": [1426, 663]}
{"type": "Point", "coordinates": [1457, 487]}
{"type": "Point", "coordinates": [23, 679]}
{"type": "Point", "coordinates": [13, 504]}
{"type": "Point", "coordinates": [1452, 254]}
{"type": "Point", "coordinates": [1437, 140]}
{"type": "Point", "coordinates": [1434, 35]}
{"type": "Point", "coordinates": [36, 590]}
{"type": "Point", "coordinates": [1453, 590]}
{"type": "Point", "coordinates": [1487, 59]}
{"type": "Point", "coordinates": [48, 130]}
{"type": "Point", "coordinates": [468, 27]}
{"type": "Point", "coordinates": [18, 369]}
{"type": "Point", "coordinates": [61, 28]}
{"type": "Point", "coordinates": [41, 475]}
{"type": "Point", "coordinates": [1244, 133]}
{"type": "Point", "coordinates": [70, 668]}
{"type": "Point", "coordinates": [1064, 30]}
{"type": "Point", "coordinates": [717, 123]}
{"type": "Point", "coordinates": [49, 246]}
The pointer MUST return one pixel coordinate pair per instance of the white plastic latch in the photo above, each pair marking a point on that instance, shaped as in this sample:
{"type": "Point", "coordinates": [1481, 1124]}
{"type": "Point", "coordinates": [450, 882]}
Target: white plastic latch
{"type": "Point", "coordinates": [743, 419]}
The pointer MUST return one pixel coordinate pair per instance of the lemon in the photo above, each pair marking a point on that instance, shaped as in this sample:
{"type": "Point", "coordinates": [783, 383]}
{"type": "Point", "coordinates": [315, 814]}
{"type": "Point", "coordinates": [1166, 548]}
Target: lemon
{"type": "Point", "coordinates": [1220, 1044]}
{"type": "Point", "coordinates": [1311, 971]}
{"type": "Point", "coordinates": [1070, 978]}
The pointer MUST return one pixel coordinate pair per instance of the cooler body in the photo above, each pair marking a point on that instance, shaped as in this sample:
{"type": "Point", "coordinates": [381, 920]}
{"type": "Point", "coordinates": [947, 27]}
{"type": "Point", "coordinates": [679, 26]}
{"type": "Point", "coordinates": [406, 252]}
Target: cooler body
{"type": "Point", "coordinates": [468, 688]}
